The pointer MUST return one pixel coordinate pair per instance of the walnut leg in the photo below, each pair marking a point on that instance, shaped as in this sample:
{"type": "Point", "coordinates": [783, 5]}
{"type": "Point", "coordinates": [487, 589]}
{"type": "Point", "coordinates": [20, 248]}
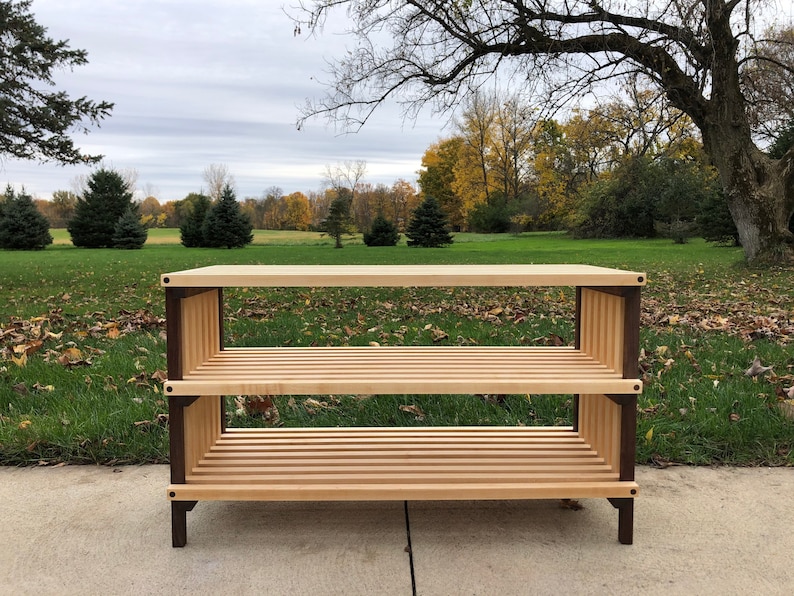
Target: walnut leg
{"type": "Point", "coordinates": [179, 511]}
{"type": "Point", "coordinates": [625, 509]}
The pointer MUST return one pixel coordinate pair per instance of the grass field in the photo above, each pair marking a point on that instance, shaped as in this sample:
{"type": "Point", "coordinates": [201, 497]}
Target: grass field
{"type": "Point", "coordinates": [83, 342]}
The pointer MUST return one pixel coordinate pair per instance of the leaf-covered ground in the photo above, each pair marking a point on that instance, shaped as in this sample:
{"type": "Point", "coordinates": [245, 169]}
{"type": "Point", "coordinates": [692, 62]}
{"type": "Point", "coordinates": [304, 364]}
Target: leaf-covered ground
{"type": "Point", "coordinates": [81, 367]}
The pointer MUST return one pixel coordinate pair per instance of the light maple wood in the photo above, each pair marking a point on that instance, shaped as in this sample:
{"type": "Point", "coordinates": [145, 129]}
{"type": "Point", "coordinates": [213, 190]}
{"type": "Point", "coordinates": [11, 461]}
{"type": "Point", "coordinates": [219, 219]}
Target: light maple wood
{"type": "Point", "coordinates": [400, 370]}
{"type": "Point", "coordinates": [427, 462]}
{"type": "Point", "coordinates": [446, 463]}
{"type": "Point", "coordinates": [599, 426]}
{"type": "Point", "coordinates": [601, 333]}
{"type": "Point", "coordinates": [400, 276]}
{"type": "Point", "coordinates": [400, 491]}
{"type": "Point", "coordinates": [202, 429]}
{"type": "Point", "coordinates": [201, 329]}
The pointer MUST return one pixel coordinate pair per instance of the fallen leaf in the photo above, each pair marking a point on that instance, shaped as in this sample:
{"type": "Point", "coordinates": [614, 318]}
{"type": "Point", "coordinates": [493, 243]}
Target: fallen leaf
{"type": "Point", "coordinates": [29, 348]}
{"type": "Point", "coordinates": [661, 462]}
{"type": "Point", "coordinates": [734, 417]}
{"type": "Point", "coordinates": [438, 334]}
{"type": "Point", "coordinates": [757, 369]}
{"type": "Point", "coordinates": [24, 424]}
{"type": "Point", "coordinates": [312, 405]}
{"type": "Point", "coordinates": [571, 504]}
{"type": "Point", "coordinates": [415, 410]}
{"type": "Point", "coordinates": [649, 435]}
{"type": "Point", "coordinates": [160, 376]}
{"type": "Point", "coordinates": [258, 404]}
{"type": "Point", "coordinates": [21, 362]}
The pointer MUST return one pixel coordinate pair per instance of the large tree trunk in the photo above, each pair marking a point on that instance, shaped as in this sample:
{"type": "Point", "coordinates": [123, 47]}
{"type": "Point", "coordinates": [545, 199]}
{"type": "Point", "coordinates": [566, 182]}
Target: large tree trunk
{"type": "Point", "coordinates": [760, 197]}
{"type": "Point", "coordinates": [758, 188]}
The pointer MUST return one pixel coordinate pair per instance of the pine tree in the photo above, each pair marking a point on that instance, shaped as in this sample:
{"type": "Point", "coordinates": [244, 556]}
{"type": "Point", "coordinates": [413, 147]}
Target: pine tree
{"type": "Point", "coordinates": [428, 226]}
{"type": "Point", "coordinates": [225, 225]}
{"type": "Point", "coordinates": [22, 227]}
{"type": "Point", "coordinates": [339, 221]}
{"type": "Point", "coordinates": [36, 121]}
{"type": "Point", "coordinates": [382, 233]}
{"type": "Point", "coordinates": [99, 209]}
{"type": "Point", "coordinates": [192, 230]}
{"type": "Point", "coordinates": [130, 233]}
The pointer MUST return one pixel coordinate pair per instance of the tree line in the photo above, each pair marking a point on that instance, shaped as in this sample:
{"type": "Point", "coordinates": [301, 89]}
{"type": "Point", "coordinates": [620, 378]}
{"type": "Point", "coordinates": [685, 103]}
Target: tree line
{"type": "Point", "coordinates": [684, 66]}
{"type": "Point", "coordinates": [711, 60]}
{"type": "Point", "coordinates": [271, 211]}
{"type": "Point", "coordinates": [632, 166]}
{"type": "Point", "coordinates": [104, 214]}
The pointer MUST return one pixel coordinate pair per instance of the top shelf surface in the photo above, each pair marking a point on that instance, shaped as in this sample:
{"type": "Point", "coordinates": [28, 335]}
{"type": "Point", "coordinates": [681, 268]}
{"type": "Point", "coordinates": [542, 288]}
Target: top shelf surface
{"type": "Point", "coordinates": [399, 276]}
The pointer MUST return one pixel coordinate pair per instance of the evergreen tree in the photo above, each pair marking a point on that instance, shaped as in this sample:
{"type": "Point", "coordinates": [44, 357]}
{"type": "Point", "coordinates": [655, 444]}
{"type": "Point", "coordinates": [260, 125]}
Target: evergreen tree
{"type": "Point", "coordinates": [36, 122]}
{"type": "Point", "coordinates": [339, 220]}
{"type": "Point", "coordinates": [783, 141]}
{"type": "Point", "coordinates": [428, 226]}
{"type": "Point", "coordinates": [22, 227]}
{"type": "Point", "coordinates": [225, 225]}
{"type": "Point", "coordinates": [130, 233]}
{"type": "Point", "coordinates": [623, 205]}
{"type": "Point", "coordinates": [99, 209]}
{"type": "Point", "coordinates": [382, 233]}
{"type": "Point", "coordinates": [192, 230]}
{"type": "Point", "coordinates": [714, 221]}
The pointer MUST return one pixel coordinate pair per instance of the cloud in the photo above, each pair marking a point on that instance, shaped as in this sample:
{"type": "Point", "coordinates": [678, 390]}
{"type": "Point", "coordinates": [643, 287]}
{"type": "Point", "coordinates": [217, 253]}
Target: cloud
{"type": "Point", "coordinates": [203, 82]}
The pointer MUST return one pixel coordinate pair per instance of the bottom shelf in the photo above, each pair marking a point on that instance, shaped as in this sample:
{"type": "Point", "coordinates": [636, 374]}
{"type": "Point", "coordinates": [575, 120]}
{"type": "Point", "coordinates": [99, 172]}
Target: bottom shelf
{"type": "Point", "coordinates": [418, 463]}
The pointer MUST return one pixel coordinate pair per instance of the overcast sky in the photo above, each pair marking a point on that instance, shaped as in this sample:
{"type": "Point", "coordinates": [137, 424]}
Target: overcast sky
{"type": "Point", "coordinates": [198, 82]}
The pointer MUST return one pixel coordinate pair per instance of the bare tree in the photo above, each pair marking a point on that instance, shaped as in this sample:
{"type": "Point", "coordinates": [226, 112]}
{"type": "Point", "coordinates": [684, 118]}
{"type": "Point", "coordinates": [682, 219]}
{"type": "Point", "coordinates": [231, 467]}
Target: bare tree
{"type": "Point", "coordinates": [216, 177]}
{"type": "Point", "coordinates": [769, 81]}
{"type": "Point", "coordinates": [345, 177]}
{"type": "Point", "coordinates": [346, 174]}
{"type": "Point", "coordinates": [79, 183]}
{"type": "Point", "coordinates": [695, 51]}
{"type": "Point", "coordinates": [475, 127]}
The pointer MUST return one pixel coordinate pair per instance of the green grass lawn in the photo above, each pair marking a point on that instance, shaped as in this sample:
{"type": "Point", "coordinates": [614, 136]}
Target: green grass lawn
{"type": "Point", "coordinates": [83, 343]}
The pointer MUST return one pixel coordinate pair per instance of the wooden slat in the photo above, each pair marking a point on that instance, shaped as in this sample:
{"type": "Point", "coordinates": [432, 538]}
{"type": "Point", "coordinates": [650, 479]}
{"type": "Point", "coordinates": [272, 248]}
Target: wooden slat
{"type": "Point", "coordinates": [201, 428]}
{"type": "Point", "coordinates": [599, 425]}
{"type": "Point", "coordinates": [422, 462]}
{"type": "Point", "coordinates": [601, 333]}
{"type": "Point", "coordinates": [256, 461]}
{"type": "Point", "coordinates": [400, 276]}
{"type": "Point", "coordinates": [400, 370]}
{"type": "Point", "coordinates": [300, 477]}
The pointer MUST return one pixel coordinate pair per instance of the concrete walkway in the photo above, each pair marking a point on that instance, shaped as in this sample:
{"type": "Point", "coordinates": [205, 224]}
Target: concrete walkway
{"type": "Point", "coordinates": [96, 530]}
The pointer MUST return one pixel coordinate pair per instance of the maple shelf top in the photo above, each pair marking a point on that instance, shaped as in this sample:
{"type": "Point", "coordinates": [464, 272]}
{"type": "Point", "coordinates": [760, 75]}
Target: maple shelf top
{"type": "Point", "coordinates": [400, 276]}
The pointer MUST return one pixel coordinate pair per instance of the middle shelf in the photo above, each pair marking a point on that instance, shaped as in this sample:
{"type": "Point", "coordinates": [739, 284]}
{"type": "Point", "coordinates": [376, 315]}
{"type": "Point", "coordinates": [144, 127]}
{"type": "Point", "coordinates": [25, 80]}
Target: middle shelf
{"type": "Point", "coordinates": [401, 370]}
